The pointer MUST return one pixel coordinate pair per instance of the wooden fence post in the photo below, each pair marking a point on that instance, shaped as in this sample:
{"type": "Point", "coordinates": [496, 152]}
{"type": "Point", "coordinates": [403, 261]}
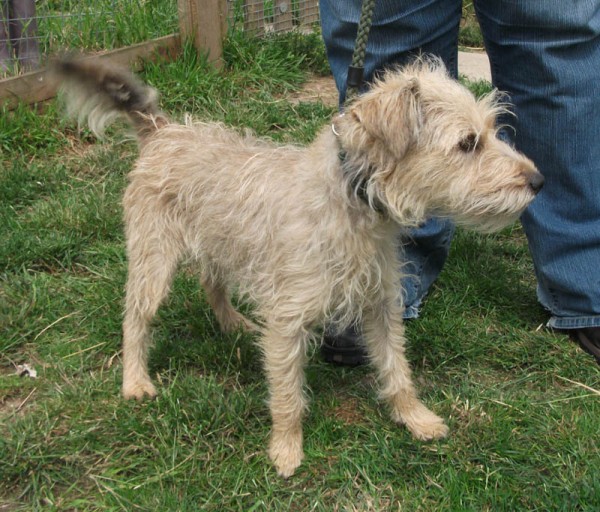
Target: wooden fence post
{"type": "Point", "coordinates": [205, 23]}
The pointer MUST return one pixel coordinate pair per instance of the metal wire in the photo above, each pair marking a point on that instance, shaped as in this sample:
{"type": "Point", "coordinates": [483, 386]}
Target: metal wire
{"type": "Point", "coordinates": [274, 16]}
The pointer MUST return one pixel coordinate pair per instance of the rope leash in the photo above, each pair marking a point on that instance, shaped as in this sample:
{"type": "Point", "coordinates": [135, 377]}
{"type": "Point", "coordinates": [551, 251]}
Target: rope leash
{"type": "Point", "coordinates": [356, 70]}
{"type": "Point", "coordinates": [355, 81]}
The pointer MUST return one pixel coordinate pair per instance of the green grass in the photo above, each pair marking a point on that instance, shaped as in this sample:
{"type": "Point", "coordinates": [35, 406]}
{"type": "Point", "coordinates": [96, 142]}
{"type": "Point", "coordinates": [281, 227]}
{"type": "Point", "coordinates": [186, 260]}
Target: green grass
{"type": "Point", "coordinates": [519, 399]}
{"type": "Point", "coordinates": [103, 24]}
{"type": "Point", "coordinates": [470, 33]}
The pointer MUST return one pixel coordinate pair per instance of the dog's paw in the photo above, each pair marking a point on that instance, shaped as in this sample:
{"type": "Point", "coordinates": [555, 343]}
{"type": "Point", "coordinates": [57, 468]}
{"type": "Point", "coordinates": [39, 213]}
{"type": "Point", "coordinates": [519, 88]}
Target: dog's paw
{"type": "Point", "coordinates": [424, 424]}
{"type": "Point", "coordinates": [427, 431]}
{"type": "Point", "coordinates": [139, 390]}
{"type": "Point", "coordinates": [286, 454]}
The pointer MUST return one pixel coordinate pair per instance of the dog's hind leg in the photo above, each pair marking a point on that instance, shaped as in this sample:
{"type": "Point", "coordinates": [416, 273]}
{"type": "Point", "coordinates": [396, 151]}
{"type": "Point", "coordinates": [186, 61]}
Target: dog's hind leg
{"type": "Point", "coordinates": [285, 357]}
{"type": "Point", "coordinates": [384, 335]}
{"type": "Point", "coordinates": [152, 264]}
{"type": "Point", "coordinates": [228, 317]}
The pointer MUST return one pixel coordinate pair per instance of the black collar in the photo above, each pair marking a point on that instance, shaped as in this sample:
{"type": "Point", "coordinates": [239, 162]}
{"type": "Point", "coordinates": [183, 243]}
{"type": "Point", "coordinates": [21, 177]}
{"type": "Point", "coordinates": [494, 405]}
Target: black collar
{"type": "Point", "coordinates": [359, 186]}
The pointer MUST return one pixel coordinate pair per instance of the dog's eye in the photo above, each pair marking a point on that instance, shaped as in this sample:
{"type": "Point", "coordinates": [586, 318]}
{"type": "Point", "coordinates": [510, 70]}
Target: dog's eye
{"type": "Point", "coordinates": [468, 143]}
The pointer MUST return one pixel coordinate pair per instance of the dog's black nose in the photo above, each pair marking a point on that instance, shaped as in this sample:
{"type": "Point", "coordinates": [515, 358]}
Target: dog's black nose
{"type": "Point", "coordinates": [536, 181]}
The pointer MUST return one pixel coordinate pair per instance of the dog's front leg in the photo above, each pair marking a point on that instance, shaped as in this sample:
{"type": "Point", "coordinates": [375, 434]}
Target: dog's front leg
{"type": "Point", "coordinates": [384, 335]}
{"type": "Point", "coordinates": [285, 357]}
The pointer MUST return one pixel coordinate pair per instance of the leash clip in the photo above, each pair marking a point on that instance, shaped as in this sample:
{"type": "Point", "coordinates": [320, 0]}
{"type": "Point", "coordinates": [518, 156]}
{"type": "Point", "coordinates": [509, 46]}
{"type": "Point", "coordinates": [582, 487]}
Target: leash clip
{"type": "Point", "coordinates": [335, 132]}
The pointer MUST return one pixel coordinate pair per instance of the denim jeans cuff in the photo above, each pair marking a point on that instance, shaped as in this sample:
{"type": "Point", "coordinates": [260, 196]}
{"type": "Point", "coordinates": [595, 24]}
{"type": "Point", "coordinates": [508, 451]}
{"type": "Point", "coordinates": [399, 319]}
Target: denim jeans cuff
{"type": "Point", "coordinates": [412, 311]}
{"type": "Point", "coordinates": [573, 322]}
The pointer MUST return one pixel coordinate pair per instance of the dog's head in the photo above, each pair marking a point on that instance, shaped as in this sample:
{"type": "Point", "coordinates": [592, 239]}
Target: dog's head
{"type": "Point", "coordinates": [423, 145]}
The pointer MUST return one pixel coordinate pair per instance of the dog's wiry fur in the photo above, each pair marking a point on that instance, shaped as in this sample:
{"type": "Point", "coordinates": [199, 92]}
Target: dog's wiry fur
{"type": "Point", "coordinates": [288, 228]}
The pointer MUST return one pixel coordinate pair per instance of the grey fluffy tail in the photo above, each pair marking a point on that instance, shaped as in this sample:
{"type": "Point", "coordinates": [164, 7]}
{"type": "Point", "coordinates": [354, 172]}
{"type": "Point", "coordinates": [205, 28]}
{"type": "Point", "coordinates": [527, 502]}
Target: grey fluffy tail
{"type": "Point", "coordinates": [97, 92]}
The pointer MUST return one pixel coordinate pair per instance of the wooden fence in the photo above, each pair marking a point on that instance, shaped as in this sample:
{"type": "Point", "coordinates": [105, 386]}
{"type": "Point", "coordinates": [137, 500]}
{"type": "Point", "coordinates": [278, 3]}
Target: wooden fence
{"type": "Point", "coordinates": [205, 22]}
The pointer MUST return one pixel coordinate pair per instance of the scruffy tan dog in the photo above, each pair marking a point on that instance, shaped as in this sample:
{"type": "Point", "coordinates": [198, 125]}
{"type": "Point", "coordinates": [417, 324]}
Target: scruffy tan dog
{"type": "Point", "coordinates": [309, 234]}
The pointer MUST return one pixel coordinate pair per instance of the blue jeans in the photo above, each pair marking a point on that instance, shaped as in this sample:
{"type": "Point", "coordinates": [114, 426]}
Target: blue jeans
{"type": "Point", "coordinates": [546, 55]}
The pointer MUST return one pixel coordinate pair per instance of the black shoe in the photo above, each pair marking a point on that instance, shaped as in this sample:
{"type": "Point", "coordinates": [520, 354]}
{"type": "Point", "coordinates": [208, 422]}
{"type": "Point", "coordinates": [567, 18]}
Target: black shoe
{"type": "Point", "coordinates": [344, 348]}
{"type": "Point", "coordinates": [589, 340]}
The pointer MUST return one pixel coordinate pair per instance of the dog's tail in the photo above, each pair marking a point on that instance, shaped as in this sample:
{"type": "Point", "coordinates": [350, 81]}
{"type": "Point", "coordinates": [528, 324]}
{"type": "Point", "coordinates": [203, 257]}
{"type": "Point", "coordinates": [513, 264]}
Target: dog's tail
{"type": "Point", "coordinates": [97, 92]}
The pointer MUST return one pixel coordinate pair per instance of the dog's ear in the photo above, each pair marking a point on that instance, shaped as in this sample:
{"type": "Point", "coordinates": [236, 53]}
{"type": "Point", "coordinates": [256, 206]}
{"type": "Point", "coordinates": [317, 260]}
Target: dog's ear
{"type": "Point", "coordinates": [390, 114]}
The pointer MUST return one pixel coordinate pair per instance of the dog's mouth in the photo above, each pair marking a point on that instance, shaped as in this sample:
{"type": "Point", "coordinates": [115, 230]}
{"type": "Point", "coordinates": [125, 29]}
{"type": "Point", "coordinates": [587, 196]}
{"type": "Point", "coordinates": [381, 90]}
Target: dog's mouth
{"type": "Point", "coordinates": [498, 209]}
{"type": "Point", "coordinates": [528, 191]}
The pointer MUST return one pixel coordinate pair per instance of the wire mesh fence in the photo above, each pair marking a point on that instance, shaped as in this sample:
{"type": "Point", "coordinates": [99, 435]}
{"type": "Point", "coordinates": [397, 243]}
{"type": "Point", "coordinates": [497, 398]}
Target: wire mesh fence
{"type": "Point", "coordinates": [274, 16]}
{"type": "Point", "coordinates": [31, 31]}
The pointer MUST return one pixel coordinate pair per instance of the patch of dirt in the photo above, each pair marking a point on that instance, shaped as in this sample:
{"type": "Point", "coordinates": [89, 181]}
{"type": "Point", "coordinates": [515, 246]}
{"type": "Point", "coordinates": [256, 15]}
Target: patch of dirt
{"type": "Point", "coordinates": [14, 406]}
{"type": "Point", "coordinates": [349, 411]}
{"type": "Point", "coordinates": [317, 88]}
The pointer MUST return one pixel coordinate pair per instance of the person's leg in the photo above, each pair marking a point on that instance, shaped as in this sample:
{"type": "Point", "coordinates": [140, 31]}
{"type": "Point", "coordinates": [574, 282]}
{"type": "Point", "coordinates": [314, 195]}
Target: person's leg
{"type": "Point", "coordinates": [546, 55]}
{"type": "Point", "coordinates": [425, 253]}
{"type": "Point", "coordinates": [400, 31]}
